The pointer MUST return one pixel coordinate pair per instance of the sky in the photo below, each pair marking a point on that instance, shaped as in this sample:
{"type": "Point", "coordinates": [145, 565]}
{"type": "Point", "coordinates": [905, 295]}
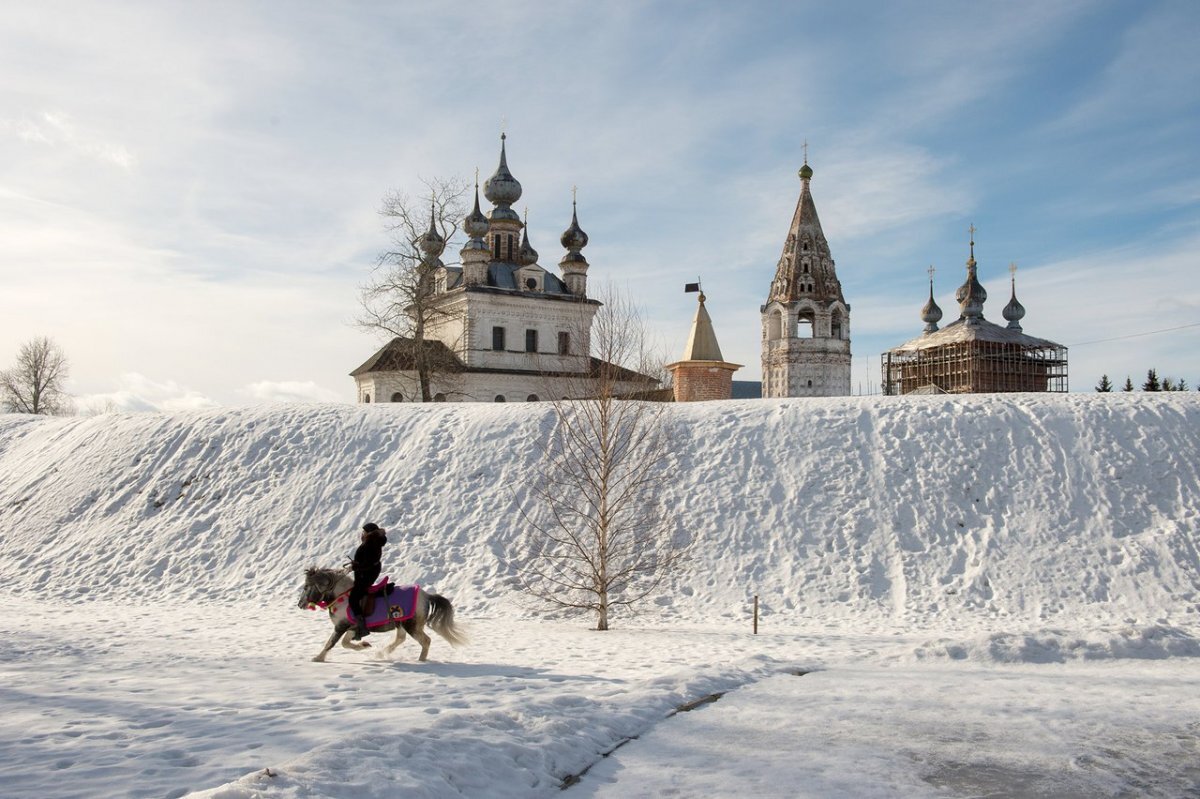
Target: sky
{"type": "Point", "coordinates": [190, 193]}
{"type": "Point", "coordinates": [932, 622]}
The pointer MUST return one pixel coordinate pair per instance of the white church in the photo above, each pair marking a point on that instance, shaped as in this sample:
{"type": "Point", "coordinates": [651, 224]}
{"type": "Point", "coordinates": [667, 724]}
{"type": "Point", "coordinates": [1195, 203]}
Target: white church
{"type": "Point", "coordinates": [508, 330]}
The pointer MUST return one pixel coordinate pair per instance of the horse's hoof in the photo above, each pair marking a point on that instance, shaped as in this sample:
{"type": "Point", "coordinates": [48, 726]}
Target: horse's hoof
{"type": "Point", "coordinates": [318, 659]}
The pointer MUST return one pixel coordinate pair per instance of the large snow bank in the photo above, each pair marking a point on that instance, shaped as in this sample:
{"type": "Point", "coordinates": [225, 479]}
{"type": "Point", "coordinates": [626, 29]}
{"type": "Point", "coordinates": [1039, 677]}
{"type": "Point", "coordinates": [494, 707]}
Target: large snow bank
{"type": "Point", "coordinates": [881, 510]}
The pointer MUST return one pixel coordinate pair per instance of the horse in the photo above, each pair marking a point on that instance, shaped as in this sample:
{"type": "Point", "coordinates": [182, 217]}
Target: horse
{"type": "Point", "coordinates": [330, 588]}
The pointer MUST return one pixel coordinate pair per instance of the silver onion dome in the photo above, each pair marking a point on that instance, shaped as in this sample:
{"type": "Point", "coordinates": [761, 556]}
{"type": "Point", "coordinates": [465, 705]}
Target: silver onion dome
{"type": "Point", "coordinates": [502, 188]}
{"type": "Point", "coordinates": [931, 314]}
{"type": "Point", "coordinates": [432, 242]}
{"type": "Point", "coordinates": [1014, 312]}
{"type": "Point", "coordinates": [475, 225]}
{"type": "Point", "coordinates": [573, 238]}
{"type": "Point", "coordinates": [526, 256]}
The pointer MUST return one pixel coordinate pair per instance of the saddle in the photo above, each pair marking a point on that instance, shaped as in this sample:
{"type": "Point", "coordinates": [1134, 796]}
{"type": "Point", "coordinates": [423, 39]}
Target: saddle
{"type": "Point", "coordinates": [384, 587]}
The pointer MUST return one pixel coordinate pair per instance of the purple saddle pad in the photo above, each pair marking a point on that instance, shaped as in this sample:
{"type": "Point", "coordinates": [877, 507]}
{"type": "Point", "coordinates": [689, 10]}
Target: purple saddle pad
{"type": "Point", "coordinates": [393, 603]}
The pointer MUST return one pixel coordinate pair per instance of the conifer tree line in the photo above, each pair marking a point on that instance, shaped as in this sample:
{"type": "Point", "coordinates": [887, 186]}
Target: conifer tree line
{"type": "Point", "coordinates": [1152, 383]}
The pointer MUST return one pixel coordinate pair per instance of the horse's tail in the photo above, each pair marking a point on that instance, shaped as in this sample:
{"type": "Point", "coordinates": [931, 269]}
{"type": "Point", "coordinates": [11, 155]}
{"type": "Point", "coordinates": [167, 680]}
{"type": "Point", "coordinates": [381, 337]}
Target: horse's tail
{"type": "Point", "coordinates": [440, 618]}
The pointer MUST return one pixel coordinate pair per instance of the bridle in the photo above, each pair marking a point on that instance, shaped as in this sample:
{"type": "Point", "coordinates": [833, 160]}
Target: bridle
{"type": "Point", "coordinates": [318, 589]}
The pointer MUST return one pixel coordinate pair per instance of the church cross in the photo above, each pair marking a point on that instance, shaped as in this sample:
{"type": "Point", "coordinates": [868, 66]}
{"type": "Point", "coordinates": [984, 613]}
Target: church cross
{"type": "Point", "coordinates": [931, 270]}
{"type": "Point", "coordinates": [806, 151]}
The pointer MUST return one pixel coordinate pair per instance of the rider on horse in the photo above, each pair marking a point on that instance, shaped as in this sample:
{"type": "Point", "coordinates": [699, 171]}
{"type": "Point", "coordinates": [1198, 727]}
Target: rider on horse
{"type": "Point", "coordinates": [366, 564]}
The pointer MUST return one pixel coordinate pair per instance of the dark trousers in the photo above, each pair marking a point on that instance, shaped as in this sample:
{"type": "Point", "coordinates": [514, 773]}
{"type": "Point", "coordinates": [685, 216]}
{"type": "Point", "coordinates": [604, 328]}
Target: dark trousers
{"type": "Point", "coordinates": [363, 579]}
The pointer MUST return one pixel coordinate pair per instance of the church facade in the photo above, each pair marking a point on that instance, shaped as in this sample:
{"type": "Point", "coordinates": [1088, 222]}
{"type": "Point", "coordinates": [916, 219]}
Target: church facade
{"type": "Point", "coordinates": [506, 329]}
{"type": "Point", "coordinates": [806, 320]}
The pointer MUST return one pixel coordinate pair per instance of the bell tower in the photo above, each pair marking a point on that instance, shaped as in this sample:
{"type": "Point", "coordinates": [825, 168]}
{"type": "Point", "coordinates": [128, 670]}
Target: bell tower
{"type": "Point", "coordinates": [805, 321]}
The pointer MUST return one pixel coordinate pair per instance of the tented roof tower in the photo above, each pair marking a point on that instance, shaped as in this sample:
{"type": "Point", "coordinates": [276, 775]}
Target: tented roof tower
{"type": "Point", "coordinates": [805, 321]}
{"type": "Point", "coordinates": [702, 374]}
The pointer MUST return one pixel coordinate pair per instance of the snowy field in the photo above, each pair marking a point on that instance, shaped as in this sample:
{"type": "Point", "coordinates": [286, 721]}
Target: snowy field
{"type": "Point", "coordinates": [964, 597]}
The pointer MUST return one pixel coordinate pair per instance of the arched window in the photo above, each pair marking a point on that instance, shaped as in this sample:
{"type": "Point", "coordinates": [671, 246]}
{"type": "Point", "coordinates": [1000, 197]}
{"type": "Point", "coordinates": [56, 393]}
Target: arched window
{"type": "Point", "coordinates": [804, 325]}
{"type": "Point", "coordinates": [500, 398]}
{"type": "Point", "coordinates": [439, 397]}
{"type": "Point", "coordinates": [835, 325]}
{"type": "Point", "coordinates": [366, 397]}
{"type": "Point", "coordinates": [775, 326]}
{"type": "Point", "coordinates": [810, 384]}
{"type": "Point", "coordinates": [496, 246]}
{"type": "Point", "coordinates": [532, 398]}
{"type": "Point", "coordinates": [397, 397]}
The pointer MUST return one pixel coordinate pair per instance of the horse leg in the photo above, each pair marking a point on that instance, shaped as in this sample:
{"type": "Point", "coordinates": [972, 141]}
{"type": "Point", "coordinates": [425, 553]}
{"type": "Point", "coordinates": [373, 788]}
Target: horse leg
{"type": "Point", "coordinates": [399, 640]}
{"type": "Point", "coordinates": [338, 631]}
{"type": "Point", "coordinates": [349, 643]}
{"type": "Point", "coordinates": [417, 630]}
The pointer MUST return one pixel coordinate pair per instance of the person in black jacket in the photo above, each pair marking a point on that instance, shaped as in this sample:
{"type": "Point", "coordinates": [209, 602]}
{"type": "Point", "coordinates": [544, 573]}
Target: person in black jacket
{"type": "Point", "coordinates": [366, 564]}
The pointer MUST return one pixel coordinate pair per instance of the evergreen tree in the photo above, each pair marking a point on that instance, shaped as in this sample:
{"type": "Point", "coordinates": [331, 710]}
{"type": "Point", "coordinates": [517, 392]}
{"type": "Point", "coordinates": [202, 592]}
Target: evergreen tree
{"type": "Point", "coordinates": [1128, 384]}
{"type": "Point", "coordinates": [1168, 384]}
{"type": "Point", "coordinates": [1104, 386]}
{"type": "Point", "coordinates": [1152, 383]}
{"type": "Point", "coordinates": [1181, 385]}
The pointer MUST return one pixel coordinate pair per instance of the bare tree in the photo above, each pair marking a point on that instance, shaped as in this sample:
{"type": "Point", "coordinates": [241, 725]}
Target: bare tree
{"type": "Point", "coordinates": [400, 298]}
{"type": "Point", "coordinates": [597, 537]}
{"type": "Point", "coordinates": [37, 383]}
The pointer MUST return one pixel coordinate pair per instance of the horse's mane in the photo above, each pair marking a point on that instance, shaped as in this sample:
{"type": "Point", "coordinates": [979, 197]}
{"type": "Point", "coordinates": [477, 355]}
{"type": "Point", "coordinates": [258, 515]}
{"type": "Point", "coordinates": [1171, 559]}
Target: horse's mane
{"type": "Point", "coordinates": [313, 571]}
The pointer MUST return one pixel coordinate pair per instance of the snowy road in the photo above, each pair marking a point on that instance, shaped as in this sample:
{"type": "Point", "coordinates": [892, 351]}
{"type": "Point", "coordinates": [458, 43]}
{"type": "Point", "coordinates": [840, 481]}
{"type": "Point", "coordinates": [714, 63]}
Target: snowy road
{"type": "Point", "coordinates": [97, 702]}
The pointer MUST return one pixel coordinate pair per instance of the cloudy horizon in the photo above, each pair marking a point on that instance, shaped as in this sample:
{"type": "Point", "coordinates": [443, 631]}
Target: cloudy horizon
{"type": "Point", "coordinates": [191, 193]}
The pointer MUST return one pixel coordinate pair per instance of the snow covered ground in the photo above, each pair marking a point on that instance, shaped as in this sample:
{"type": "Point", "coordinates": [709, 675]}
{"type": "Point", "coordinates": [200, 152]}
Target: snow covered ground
{"type": "Point", "coordinates": [980, 596]}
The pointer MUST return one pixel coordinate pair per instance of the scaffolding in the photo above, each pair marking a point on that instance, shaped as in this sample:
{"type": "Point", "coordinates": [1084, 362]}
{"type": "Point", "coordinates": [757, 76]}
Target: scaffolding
{"type": "Point", "coordinates": [975, 359]}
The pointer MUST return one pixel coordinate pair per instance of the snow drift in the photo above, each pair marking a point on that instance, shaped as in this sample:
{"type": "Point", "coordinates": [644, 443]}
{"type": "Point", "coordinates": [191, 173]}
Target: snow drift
{"type": "Point", "coordinates": [882, 510]}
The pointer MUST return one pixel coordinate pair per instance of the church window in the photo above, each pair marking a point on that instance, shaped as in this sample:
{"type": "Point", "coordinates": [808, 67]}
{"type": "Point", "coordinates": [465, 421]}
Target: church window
{"type": "Point", "coordinates": [835, 326]}
{"type": "Point", "coordinates": [500, 398]}
{"type": "Point", "coordinates": [531, 283]}
{"type": "Point", "coordinates": [397, 397]}
{"type": "Point", "coordinates": [804, 265]}
{"type": "Point", "coordinates": [510, 247]}
{"type": "Point", "coordinates": [810, 384]}
{"type": "Point", "coordinates": [804, 325]}
{"type": "Point", "coordinates": [805, 247]}
{"type": "Point", "coordinates": [532, 398]}
{"type": "Point", "coordinates": [439, 397]}
{"type": "Point", "coordinates": [775, 326]}
{"type": "Point", "coordinates": [366, 397]}
{"type": "Point", "coordinates": [564, 343]}
{"type": "Point", "coordinates": [496, 246]}
{"type": "Point", "coordinates": [531, 341]}
{"type": "Point", "coordinates": [498, 339]}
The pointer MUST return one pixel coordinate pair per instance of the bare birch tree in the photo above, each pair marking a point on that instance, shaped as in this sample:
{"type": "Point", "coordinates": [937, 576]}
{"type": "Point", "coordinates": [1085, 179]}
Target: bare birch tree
{"type": "Point", "coordinates": [37, 383]}
{"type": "Point", "coordinates": [399, 299]}
{"type": "Point", "coordinates": [598, 539]}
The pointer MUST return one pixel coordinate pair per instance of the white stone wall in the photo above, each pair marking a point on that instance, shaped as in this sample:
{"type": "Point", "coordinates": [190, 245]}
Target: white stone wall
{"type": "Point", "coordinates": [813, 365]}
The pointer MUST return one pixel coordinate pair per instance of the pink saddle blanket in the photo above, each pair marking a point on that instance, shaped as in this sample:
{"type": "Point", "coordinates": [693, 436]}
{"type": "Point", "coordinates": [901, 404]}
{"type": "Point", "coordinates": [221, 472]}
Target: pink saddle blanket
{"type": "Point", "coordinates": [393, 603]}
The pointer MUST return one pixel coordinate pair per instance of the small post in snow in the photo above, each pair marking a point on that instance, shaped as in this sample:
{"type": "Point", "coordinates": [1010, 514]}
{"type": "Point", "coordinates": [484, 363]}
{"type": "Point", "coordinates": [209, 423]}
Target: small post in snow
{"type": "Point", "coordinates": [756, 614]}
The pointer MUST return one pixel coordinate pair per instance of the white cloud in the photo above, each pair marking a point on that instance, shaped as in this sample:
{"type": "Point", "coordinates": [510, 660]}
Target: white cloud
{"type": "Point", "coordinates": [291, 391]}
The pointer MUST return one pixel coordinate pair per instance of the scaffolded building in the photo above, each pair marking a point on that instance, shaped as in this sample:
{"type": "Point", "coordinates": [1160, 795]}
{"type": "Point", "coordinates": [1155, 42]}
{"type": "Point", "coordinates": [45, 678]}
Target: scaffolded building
{"type": "Point", "coordinates": [972, 355]}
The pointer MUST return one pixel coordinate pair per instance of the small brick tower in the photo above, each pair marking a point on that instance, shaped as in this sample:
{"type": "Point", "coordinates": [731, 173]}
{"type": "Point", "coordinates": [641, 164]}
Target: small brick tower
{"type": "Point", "coordinates": [702, 374]}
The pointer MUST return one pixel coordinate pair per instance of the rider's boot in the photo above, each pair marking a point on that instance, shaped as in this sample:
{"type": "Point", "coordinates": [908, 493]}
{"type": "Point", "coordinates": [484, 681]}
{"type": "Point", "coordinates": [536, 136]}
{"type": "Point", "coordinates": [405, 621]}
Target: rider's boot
{"type": "Point", "coordinates": [360, 629]}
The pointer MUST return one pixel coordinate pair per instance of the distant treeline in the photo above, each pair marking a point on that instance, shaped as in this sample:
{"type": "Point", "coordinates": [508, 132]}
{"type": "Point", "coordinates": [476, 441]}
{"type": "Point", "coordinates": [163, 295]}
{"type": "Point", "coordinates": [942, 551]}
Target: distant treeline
{"type": "Point", "coordinates": [1152, 383]}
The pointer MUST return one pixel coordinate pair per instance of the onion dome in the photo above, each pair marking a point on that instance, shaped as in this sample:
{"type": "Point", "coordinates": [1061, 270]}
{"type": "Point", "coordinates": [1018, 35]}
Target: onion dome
{"type": "Point", "coordinates": [432, 242]}
{"type": "Point", "coordinates": [502, 189]}
{"type": "Point", "coordinates": [1014, 312]}
{"type": "Point", "coordinates": [476, 224]}
{"type": "Point", "coordinates": [806, 172]}
{"type": "Point", "coordinates": [526, 256]}
{"type": "Point", "coordinates": [931, 314]}
{"type": "Point", "coordinates": [573, 238]}
{"type": "Point", "coordinates": [971, 294]}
